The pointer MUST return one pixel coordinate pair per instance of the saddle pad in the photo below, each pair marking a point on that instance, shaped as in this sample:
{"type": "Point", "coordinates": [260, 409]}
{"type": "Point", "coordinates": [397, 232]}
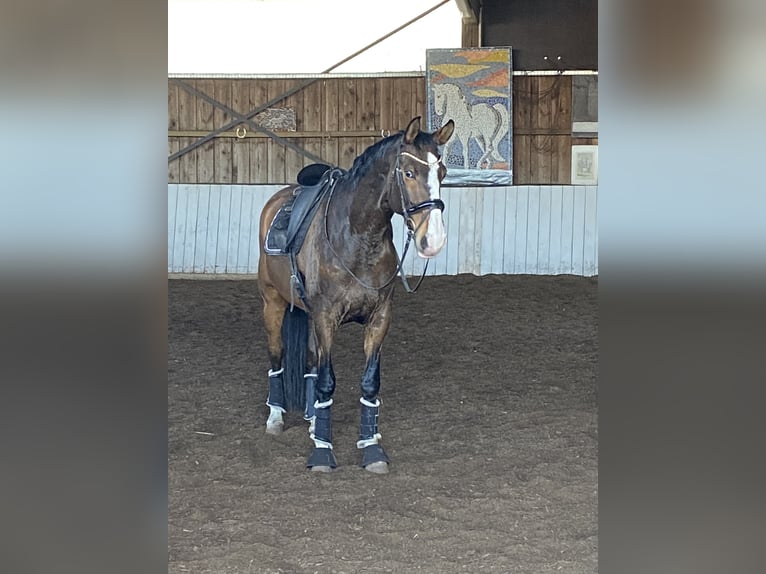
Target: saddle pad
{"type": "Point", "coordinates": [291, 223]}
{"type": "Point", "coordinates": [276, 236]}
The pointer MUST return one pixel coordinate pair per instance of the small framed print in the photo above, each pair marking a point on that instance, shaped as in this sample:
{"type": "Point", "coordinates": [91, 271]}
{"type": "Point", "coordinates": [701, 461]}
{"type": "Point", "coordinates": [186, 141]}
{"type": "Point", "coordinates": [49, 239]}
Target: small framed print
{"type": "Point", "coordinates": [584, 165]}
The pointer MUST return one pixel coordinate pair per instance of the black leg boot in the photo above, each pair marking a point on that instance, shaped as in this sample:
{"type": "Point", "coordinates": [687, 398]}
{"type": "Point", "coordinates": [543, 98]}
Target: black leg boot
{"type": "Point", "coordinates": [276, 402]}
{"type": "Point", "coordinates": [311, 379]}
{"type": "Point", "coordinates": [374, 457]}
{"type": "Point", "coordinates": [322, 458]}
{"type": "Point", "coordinates": [276, 390]}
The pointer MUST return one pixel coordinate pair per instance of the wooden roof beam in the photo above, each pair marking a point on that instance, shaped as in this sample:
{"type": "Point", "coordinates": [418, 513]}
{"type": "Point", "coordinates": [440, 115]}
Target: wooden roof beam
{"type": "Point", "coordinates": [467, 11]}
{"type": "Point", "coordinates": [471, 24]}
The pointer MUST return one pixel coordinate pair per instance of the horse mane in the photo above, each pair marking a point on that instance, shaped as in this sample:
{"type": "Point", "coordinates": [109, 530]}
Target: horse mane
{"type": "Point", "coordinates": [371, 155]}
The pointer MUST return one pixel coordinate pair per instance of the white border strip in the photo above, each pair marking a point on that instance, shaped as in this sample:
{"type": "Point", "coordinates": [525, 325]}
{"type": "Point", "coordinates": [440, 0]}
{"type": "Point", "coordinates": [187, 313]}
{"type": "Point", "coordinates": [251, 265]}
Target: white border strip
{"type": "Point", "coordinates": [584, 127]}
{"type": "Point", "coordinates": [368, 75]}
{"type": "Point", "coordinates": [299, 76]}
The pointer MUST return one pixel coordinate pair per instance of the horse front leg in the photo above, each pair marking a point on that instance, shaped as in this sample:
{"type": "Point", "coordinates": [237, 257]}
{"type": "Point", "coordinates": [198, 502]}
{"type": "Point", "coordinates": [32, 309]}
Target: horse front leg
{"type": "Point", "coordinates": [322, 375]}
{"type": "Point", "coordinates": [374, 458]}
{"type": "Point", "coordinates": [466, 159]}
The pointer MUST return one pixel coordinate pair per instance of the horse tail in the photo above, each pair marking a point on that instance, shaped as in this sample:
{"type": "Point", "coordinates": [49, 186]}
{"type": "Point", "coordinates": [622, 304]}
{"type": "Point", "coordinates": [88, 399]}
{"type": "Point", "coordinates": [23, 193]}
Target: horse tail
{"type": "Point", "coordinates": [503, 125]}
{"type": "Point", "coordinates": [295, 336]}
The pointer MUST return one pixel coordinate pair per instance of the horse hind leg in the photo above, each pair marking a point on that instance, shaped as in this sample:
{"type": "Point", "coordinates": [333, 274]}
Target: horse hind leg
{"type": "Point", "coordinates": [275, 423]}
{"type": "Point", "coordinates": [273, 313]}
{"type": "Point", "coordinates": [486, 151]}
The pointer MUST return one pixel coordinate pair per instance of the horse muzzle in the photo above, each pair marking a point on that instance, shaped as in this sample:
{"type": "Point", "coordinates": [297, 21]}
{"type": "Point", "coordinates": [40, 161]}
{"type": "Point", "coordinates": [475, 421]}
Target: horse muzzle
{"type": "Point", "coordinates": [427, 250]}
{"type": "Point", "coordinates": [430, 236]}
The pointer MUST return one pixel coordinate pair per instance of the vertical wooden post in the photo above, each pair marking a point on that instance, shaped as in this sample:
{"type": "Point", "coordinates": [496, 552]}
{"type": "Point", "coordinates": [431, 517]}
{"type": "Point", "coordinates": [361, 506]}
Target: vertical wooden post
{"type": "Point", "coordinates": [470, 34]}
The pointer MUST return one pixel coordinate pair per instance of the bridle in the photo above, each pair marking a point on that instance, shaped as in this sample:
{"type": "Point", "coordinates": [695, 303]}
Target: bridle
{"type": "Point", "coordinates": [408, 208]}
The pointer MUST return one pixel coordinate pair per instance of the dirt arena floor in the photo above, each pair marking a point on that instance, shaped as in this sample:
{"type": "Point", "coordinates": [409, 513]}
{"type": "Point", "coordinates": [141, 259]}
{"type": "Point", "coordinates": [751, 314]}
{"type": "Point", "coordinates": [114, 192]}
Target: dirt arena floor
{"type": "Point", "coordinates": [489, 416]}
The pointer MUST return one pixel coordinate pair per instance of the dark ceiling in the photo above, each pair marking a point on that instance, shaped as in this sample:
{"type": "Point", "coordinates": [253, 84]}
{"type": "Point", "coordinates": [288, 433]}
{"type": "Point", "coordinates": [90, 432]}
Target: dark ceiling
{"type": "Point", "coordinates": [539, 28]}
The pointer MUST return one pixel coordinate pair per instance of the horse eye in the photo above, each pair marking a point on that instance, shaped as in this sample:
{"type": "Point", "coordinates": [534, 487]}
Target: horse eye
{"type": "Point", "coordinates": [409, 174]}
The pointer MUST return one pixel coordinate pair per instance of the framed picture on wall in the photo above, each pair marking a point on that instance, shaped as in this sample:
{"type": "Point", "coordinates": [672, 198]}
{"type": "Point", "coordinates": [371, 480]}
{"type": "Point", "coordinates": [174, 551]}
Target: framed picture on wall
{"type": "Point", "coordinates": [472, 87]}
{"type": "Point", "coordinates": [584, 165]}
{"type": "Point", "coordinates": [585, 106]}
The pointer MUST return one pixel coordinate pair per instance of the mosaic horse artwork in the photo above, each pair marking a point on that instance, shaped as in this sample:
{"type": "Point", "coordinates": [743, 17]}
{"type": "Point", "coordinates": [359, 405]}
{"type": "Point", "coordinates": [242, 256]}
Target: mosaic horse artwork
{"type": "Point", "coordinates": [485, 124]}
{"type": "Point", "coordinates": [331, 260]}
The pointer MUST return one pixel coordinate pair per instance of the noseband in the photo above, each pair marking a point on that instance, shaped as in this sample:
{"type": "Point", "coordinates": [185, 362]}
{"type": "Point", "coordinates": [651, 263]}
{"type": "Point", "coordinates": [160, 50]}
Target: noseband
{"type": "Point", "coordinates": [407, 205]}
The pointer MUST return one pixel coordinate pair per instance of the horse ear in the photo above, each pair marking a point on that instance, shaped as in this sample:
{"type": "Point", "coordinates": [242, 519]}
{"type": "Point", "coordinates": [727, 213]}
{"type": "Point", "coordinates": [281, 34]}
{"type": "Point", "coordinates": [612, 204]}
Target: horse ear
{"type": "Point", "coordinates": [413, 129]}
{"type": "Point", "coordinates": [444, 133]}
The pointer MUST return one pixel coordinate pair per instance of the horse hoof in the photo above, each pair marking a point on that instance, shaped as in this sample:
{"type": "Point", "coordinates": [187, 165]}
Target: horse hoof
{"type": "Point", "coordinates": [379, 467]}
{"type": "Point", "coordinates": [321, 468]}
{"type": "Point", "coordinates": [275, 429]}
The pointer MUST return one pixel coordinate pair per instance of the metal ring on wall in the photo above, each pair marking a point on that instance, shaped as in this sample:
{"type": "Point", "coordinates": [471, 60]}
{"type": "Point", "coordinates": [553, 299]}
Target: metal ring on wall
{"type": "Point", "coordinates": [385, 133]}
{"type": "Point", "coordinates": [242, 134]}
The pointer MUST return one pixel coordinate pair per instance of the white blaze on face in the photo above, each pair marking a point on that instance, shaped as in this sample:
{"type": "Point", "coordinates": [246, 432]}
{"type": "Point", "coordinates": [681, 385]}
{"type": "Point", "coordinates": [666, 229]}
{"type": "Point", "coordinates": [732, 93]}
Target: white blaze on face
{"type": "Point", "coordinates": [435, 236]}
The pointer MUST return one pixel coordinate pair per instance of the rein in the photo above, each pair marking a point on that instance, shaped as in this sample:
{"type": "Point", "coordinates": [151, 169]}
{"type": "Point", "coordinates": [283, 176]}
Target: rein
{"type": "Point", "coordinates": [408, 209]}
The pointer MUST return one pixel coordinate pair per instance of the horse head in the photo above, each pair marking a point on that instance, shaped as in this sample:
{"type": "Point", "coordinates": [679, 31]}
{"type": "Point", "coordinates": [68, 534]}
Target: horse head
{"type": "Point", "coordinates": [440, 99]}
{"type": "Point", "coordinates": [419, 173]}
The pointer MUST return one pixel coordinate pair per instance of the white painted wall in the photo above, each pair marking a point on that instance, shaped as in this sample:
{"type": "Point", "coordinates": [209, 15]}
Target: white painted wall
{"type": "Point", "coordinates": [539, 230]}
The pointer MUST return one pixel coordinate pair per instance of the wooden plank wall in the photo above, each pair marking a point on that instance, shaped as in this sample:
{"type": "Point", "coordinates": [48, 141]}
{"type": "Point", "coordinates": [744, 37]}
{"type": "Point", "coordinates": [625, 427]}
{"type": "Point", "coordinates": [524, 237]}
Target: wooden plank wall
{"type": "Point", "coordinates": [338, 117]}
{"type": "Point", "coordinates": [543, 230]}
{"type": "Point", "coordinates": [542, 129]}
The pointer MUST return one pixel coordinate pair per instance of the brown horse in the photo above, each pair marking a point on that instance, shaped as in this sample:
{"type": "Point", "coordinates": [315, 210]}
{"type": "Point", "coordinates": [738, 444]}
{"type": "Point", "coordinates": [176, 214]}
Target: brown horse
{"type": "Point", "coordinates": [345, 272]}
